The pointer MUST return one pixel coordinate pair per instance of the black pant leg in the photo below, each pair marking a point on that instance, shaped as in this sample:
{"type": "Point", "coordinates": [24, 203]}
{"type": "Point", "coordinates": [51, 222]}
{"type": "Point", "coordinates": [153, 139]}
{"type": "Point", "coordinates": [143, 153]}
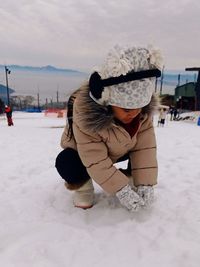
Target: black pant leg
{"type": "Point", "coordinates": [70, 167]}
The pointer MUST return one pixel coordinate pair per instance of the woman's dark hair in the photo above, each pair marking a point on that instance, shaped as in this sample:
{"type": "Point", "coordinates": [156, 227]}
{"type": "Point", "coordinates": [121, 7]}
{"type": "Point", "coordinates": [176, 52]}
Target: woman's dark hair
{"type": "Point", "coordinates": [70, 105]}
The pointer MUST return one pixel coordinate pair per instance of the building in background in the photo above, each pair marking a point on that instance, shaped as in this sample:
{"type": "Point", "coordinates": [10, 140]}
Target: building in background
{"type": "Point", "coordinates": [186, 96]}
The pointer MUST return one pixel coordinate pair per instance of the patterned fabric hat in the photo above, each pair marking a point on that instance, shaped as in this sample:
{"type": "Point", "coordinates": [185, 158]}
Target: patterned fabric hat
{"type": "Point", "coordinates": [132, 94]}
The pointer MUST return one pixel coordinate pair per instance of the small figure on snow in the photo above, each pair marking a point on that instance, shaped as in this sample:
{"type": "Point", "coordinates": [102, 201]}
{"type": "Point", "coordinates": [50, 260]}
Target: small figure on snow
{"type": "Point", "coordinates": [176, 114]}
{"type": "Point", "coordinates": [110, 120]}
{"type": "Point", "coordinates": [162, 117]}
{"type": "Point", "coordinates": [171, 111]}
{"type": "Point", "coordinates": [8, 111]}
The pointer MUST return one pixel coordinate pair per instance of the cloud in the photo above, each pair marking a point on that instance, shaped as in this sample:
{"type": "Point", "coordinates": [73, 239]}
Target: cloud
{"type": "Point", "coordinates": [77, 34]}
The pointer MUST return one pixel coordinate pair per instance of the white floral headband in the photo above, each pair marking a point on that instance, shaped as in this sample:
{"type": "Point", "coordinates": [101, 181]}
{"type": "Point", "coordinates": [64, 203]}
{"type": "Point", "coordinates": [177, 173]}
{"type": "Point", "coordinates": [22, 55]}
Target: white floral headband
{"type": "Point", "coordinates": [126, 77]}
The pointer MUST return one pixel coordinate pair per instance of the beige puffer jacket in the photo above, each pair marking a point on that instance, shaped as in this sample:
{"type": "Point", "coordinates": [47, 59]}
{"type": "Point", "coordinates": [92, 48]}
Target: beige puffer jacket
{"type": "Point", "coordinates": [100, 142]}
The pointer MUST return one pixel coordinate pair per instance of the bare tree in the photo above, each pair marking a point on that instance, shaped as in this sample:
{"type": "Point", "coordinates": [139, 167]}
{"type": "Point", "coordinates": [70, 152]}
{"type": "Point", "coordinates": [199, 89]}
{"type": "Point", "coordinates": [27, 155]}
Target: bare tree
{"type": "Point", "coordinates": [21, 102]}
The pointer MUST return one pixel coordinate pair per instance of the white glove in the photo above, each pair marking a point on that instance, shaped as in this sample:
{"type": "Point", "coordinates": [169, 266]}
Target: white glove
{"type": "Point", "coordinates": [146, 192]}
{"type": "Point", "coordinates": [129, 199]}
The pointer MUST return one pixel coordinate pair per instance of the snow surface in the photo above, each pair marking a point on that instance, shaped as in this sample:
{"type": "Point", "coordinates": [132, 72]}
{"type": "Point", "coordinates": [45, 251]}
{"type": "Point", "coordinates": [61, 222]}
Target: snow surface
{"type": "Point", "coordinates": [39, 227]}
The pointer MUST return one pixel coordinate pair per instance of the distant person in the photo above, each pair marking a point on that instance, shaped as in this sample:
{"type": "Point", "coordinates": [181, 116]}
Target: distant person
{"type": "Point", "coordinates": [162, 117]}
{"type": "Point", "coordinates": [171, 111]}
{"type": "Point", "coordinates": [8, 111]}
{"type": "Point", "coordinates": [159, 117]}
{"type": "Point", "coordinates": [110, 118]}
{"type": "Point", "coordinates": [176, 114]}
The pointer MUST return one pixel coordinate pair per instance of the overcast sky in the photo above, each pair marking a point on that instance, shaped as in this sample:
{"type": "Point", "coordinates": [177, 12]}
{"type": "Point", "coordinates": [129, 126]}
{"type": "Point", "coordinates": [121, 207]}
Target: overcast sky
{"type": "Point", "coordinates": [78, 33]}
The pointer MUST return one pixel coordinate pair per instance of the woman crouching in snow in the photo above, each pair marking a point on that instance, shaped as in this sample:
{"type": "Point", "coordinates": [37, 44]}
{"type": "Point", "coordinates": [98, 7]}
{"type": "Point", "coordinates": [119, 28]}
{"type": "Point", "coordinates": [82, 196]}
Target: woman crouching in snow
{"type": "Point", "coordinates": [110, 120]}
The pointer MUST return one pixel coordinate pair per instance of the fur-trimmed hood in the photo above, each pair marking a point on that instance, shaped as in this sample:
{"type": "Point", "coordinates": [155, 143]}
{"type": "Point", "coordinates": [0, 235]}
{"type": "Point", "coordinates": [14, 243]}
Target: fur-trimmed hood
{"type": "Point", "coordinates": [95, 117]}
{"type": "Point", "coordinates": [100, 142]}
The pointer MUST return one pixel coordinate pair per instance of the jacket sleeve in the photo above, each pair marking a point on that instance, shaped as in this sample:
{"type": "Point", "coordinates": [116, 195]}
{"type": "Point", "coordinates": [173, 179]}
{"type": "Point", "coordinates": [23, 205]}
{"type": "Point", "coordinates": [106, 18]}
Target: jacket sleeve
{"type": "Point", "coordinates": [143, 156]}
{"type": "Point", "coordinates": [94, 155]}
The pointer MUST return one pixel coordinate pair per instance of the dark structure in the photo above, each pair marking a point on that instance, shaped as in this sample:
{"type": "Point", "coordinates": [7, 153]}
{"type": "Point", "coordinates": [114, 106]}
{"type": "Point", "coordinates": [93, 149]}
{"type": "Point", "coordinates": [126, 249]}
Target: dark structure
{"type": "Point", "coordinates": [2, 106]}
{"type": "Point", "coordinates": [3, 93]}
{"type": "Point", "coordinates": [197, 88]}
{"type": "Point", "coordinates": [185, 96]}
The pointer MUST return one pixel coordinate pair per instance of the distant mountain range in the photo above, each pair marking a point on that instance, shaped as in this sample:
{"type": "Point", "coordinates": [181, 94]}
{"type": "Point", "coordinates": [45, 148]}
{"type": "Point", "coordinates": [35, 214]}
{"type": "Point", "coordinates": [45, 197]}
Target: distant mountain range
{"type": "Point", "coordinates": [171, 78]}
{"type": "Point", "coordinates": [47, 68]}
{"type": "Point", "coordinates": [169, 75]}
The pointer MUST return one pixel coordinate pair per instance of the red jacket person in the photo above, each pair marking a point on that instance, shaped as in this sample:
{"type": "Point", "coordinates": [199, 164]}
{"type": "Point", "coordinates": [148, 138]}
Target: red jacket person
{"type": "Point", "coordinates": [8, 111]}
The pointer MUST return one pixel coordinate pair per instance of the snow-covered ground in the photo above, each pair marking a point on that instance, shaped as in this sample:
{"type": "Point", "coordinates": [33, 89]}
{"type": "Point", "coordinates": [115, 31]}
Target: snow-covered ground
{"type": "Point", "coordinates": [39, 227]}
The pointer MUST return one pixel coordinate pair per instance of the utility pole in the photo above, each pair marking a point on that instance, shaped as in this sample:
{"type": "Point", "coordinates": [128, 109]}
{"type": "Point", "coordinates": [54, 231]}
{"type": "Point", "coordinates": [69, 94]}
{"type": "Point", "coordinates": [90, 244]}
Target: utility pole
{"type": "Point", "coordinates": [46, 103]}
{"type": "Point", "coordinates": [7, 71]}
{"type": "Point", "coordinates": [197, 87]}
{"type": "Point", "coordinates": [179, 78]}
{"type": "Point", "coordinates": [38, 97]}
{"type": "Point", "coordinates": [57, 97]}
{"type": "Point", "coordinates": [38, 100]}
{"type": "Point", "coordinates": [156, 83]}
{"type": "Point", "coordinates": [195, 78]}
{"type": "Point", "coordinates": [161, 80]}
